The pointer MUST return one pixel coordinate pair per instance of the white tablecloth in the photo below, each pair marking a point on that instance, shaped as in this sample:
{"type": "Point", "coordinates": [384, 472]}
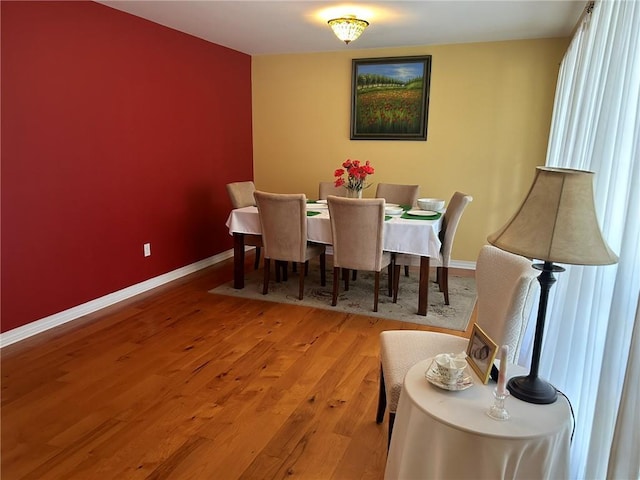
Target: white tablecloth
{"type": "Point", "coordinates": [416, 237]}
{"type": "Point", "coordinates": [440, 434]}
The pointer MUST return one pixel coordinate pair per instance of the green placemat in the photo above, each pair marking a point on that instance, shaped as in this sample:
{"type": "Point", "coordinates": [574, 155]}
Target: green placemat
{"type": "Point", "coordinates": [387, 217]}
{"type": "Point", "coordinates": [311, 201]}
{"type": "Point", "coordinates": [405, 207]}
{"type": "Point", "coordinates": [408, 216]}
{"type": "Point", "coordinates": [311, 214]}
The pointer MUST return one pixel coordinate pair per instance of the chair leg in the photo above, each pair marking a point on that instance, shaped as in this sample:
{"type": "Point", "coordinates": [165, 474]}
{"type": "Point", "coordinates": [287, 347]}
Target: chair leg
{"type": "Point", "coordinates": [346, 279]}
{"type": "Point", "coordinates": [278, 266]}
{"type": "Point", "coordinates": [256, 263]}
{"type": "Point", "coordinates": [265, 282]}
{"type": "Point", "coordinates": [382, 398]}
{"type": "Point", "coordinates": [354, 275]}
{"type": "Point", "coordinates": [439, 277]}
{"type": "Point", "coordinates": [301, 287]}
{"type": "Point", "coordinates": [294, 267]}
{"type": "Point", "coordinates": [406, 270]}
{"type": "Point", "coordinates": [323, 271]}
{"type": "Point", "coordinates": [445, 284]}
{"type": "Point", "coordinates": [390, 270]}
{"type": "Point", "coordinates": [375, 292]}
{"type": "Point", "coordinates": [336, 285]}
{"type": "Point", "coordinates": [285, 271]}
{"type": "Point", "coordinates": [392, 419]}
{"type": "Point", "coordinates": [396, 282]}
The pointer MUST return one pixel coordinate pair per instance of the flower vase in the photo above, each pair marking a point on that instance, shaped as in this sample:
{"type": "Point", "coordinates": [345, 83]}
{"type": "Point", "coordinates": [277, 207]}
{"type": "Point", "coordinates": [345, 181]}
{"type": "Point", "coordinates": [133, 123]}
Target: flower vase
{"type": "Point", "coordinates": [354, 193]}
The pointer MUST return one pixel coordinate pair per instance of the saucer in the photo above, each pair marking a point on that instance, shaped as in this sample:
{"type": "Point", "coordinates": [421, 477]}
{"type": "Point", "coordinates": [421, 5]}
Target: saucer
{"type": "Point", "coordinates": [433, 377]}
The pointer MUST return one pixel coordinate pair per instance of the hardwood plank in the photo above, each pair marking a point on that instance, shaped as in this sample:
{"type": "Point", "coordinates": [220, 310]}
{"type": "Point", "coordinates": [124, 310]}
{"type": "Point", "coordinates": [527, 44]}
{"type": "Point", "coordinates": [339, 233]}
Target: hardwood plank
{"type": "Point", "coordinates": [179, 383]}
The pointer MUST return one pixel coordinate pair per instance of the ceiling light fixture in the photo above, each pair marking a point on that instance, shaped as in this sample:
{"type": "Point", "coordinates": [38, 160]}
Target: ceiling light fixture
{"type": "Point", "coordinates": [348, 27]}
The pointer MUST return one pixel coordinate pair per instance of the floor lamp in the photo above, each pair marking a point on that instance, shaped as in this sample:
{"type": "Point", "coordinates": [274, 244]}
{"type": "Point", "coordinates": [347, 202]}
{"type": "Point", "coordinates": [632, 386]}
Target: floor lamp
{"type": "Point", "coordinates": [556, 223]}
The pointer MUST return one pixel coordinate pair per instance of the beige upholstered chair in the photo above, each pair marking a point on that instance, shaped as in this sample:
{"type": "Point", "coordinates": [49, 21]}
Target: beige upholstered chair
{"type": "Point", "coordinates": [506, 287]}
{"type": "Point", "coordinates": [452, 215]}
{"type": "Point", "coordinates": [400, 194]}
{"type": "Point", "coordinates": [357, 228]}
{"type": "Point", "coordinates": [283, 218]}
{"type": "Point", "coordinates": [241, 195]}
{"type": "Point", "coordinates": [329, 188]}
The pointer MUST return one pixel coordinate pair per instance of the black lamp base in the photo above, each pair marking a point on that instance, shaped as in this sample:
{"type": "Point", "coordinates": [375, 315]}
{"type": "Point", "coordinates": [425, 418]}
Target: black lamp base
{"type": "Point", "coordinates": [532, 389]}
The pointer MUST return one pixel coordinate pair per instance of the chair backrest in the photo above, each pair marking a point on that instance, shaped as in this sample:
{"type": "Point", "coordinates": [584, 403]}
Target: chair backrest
{"type": "Point", "coordinates": [241, 194]}
{"type": "Point", "coordinates": [283, 218]}
{"type": "Point", "coordinates": [506, 286]}
{"type": "Point", "coordinates": [329, 188]}
{"type": "Point", "coordinates": [400, 194]}
{"type": "Point", "coordinates": [356, 228]}
{"type": "Point", "coordinates": [450, 221]}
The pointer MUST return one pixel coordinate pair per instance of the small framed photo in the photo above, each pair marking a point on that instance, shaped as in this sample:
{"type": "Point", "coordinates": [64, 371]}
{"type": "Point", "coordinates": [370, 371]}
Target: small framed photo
{"type": "Point", "coordinates": [481, 352]}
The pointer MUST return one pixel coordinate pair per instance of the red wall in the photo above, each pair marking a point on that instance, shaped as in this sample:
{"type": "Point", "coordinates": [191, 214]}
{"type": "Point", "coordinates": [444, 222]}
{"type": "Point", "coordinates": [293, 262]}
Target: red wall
{"type": "Point", "coordinates": [115, 132]}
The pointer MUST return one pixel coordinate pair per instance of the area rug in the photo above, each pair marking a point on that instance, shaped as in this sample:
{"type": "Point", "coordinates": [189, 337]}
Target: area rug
{"type": "Point", "coordinates": [359, 298]}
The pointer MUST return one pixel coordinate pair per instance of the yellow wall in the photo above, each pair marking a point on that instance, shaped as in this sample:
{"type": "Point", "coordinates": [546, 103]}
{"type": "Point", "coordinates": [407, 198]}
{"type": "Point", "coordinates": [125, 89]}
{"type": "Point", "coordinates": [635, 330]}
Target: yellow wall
{"type": "Point", "coordinates": [489, 118]}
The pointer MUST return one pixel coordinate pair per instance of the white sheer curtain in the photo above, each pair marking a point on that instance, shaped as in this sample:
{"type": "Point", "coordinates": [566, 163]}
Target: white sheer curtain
{"type": "Point", "coordinates": [590, 318]}
{"type": "Point", "coordinates": [625, 461]}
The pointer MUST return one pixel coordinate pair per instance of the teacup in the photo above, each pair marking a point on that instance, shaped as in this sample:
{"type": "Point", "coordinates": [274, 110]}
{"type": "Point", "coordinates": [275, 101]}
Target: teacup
{"type": "Point", "coordinates": [450, 369]}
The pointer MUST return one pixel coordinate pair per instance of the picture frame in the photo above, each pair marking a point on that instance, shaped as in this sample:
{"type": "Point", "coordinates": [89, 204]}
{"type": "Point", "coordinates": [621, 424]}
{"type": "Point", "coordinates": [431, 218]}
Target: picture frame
{"type": "Point", "coordinates": [481, 353]}
{"type": "Point", "coordinates": [390, 98]}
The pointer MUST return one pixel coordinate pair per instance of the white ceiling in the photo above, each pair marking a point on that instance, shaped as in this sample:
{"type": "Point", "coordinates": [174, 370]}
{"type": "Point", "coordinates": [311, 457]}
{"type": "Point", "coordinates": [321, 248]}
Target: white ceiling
{"type": "Point", "coordinates": [273, 27]}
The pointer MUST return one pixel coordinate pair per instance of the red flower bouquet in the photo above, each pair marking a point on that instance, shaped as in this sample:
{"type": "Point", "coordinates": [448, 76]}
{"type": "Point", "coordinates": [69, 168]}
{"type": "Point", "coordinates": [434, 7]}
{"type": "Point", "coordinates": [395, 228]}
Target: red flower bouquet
{"type": "Point", "coordinates": [356, 175]}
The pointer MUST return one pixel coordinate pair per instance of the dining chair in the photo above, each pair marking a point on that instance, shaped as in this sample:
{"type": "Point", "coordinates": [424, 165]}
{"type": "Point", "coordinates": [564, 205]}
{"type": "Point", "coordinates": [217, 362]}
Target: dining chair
{"type": "Point", "coordinates": [450, 221]}
{"type": "Point", "coordinates": [357, 229]}
{"type": "Point", "coordinates": [283, 218]}
{"type": "Point", "coordinates": [400, 194]}
{"type": "Point", "coordinates": [241, 195]}
{"type": "Point", "coordinates": [329, 188]}
{"type": "Point", "coordinates": [506, 287]}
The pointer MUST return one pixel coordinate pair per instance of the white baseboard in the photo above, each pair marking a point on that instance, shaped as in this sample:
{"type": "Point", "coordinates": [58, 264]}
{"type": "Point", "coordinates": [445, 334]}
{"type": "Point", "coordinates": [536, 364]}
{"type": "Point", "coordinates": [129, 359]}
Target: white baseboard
{"type": "Point", "coordinates": [46, 323]}
{"type": "Point", "coordinates": [39, 326]}
{"type": "Point", "coordinates": [461, 264]}
{"type": "Point", "coordinates": [464, 265]}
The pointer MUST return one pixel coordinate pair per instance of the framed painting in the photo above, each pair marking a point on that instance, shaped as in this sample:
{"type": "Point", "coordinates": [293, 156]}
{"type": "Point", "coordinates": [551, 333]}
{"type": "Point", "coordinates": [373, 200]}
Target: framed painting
{"type": "Point", "coordinates": [390, 98]}
{"type": "Point", "coordinates": [481, 352]}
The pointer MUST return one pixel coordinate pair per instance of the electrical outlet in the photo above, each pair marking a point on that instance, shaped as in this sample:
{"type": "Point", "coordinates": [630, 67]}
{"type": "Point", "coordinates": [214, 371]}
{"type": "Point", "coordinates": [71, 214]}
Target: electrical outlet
{"type": "Point", "coordinates": [147, 249]}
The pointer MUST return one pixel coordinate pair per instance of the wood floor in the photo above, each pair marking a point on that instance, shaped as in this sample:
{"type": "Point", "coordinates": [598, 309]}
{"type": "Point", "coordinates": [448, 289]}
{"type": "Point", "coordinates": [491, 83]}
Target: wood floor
{"type": "Point", "coordinates": [182, 384]}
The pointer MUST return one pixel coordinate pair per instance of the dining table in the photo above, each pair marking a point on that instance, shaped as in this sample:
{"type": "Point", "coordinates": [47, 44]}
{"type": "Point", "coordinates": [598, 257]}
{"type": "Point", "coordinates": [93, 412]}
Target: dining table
{"type": "Point", "coordinates": [404, 232]}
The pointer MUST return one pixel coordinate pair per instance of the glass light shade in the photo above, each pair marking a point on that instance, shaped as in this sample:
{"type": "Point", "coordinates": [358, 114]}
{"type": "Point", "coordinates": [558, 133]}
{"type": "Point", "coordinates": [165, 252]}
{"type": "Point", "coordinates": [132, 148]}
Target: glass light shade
{"type": "Point", "coordinates": [557, 221]}
{"type": "Point", "coordinates": [348, 28]}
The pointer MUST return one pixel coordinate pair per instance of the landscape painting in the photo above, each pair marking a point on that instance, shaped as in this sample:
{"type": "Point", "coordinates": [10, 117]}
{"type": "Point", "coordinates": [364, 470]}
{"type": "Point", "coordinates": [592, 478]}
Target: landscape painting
{"type": "Point", "coordinates": [390, 98]}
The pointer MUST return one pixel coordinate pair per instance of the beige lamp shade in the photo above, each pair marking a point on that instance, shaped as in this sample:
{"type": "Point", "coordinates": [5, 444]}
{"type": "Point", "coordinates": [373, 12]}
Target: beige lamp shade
{"type": "Point", "coordinates": [557, 221]}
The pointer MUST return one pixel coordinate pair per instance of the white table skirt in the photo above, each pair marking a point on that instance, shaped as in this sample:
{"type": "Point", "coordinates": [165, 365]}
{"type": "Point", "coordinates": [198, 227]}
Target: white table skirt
{"type": "Point", "coordinates": [415, 237]}
{"type": "Point", "coordinates": [440, 434]}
